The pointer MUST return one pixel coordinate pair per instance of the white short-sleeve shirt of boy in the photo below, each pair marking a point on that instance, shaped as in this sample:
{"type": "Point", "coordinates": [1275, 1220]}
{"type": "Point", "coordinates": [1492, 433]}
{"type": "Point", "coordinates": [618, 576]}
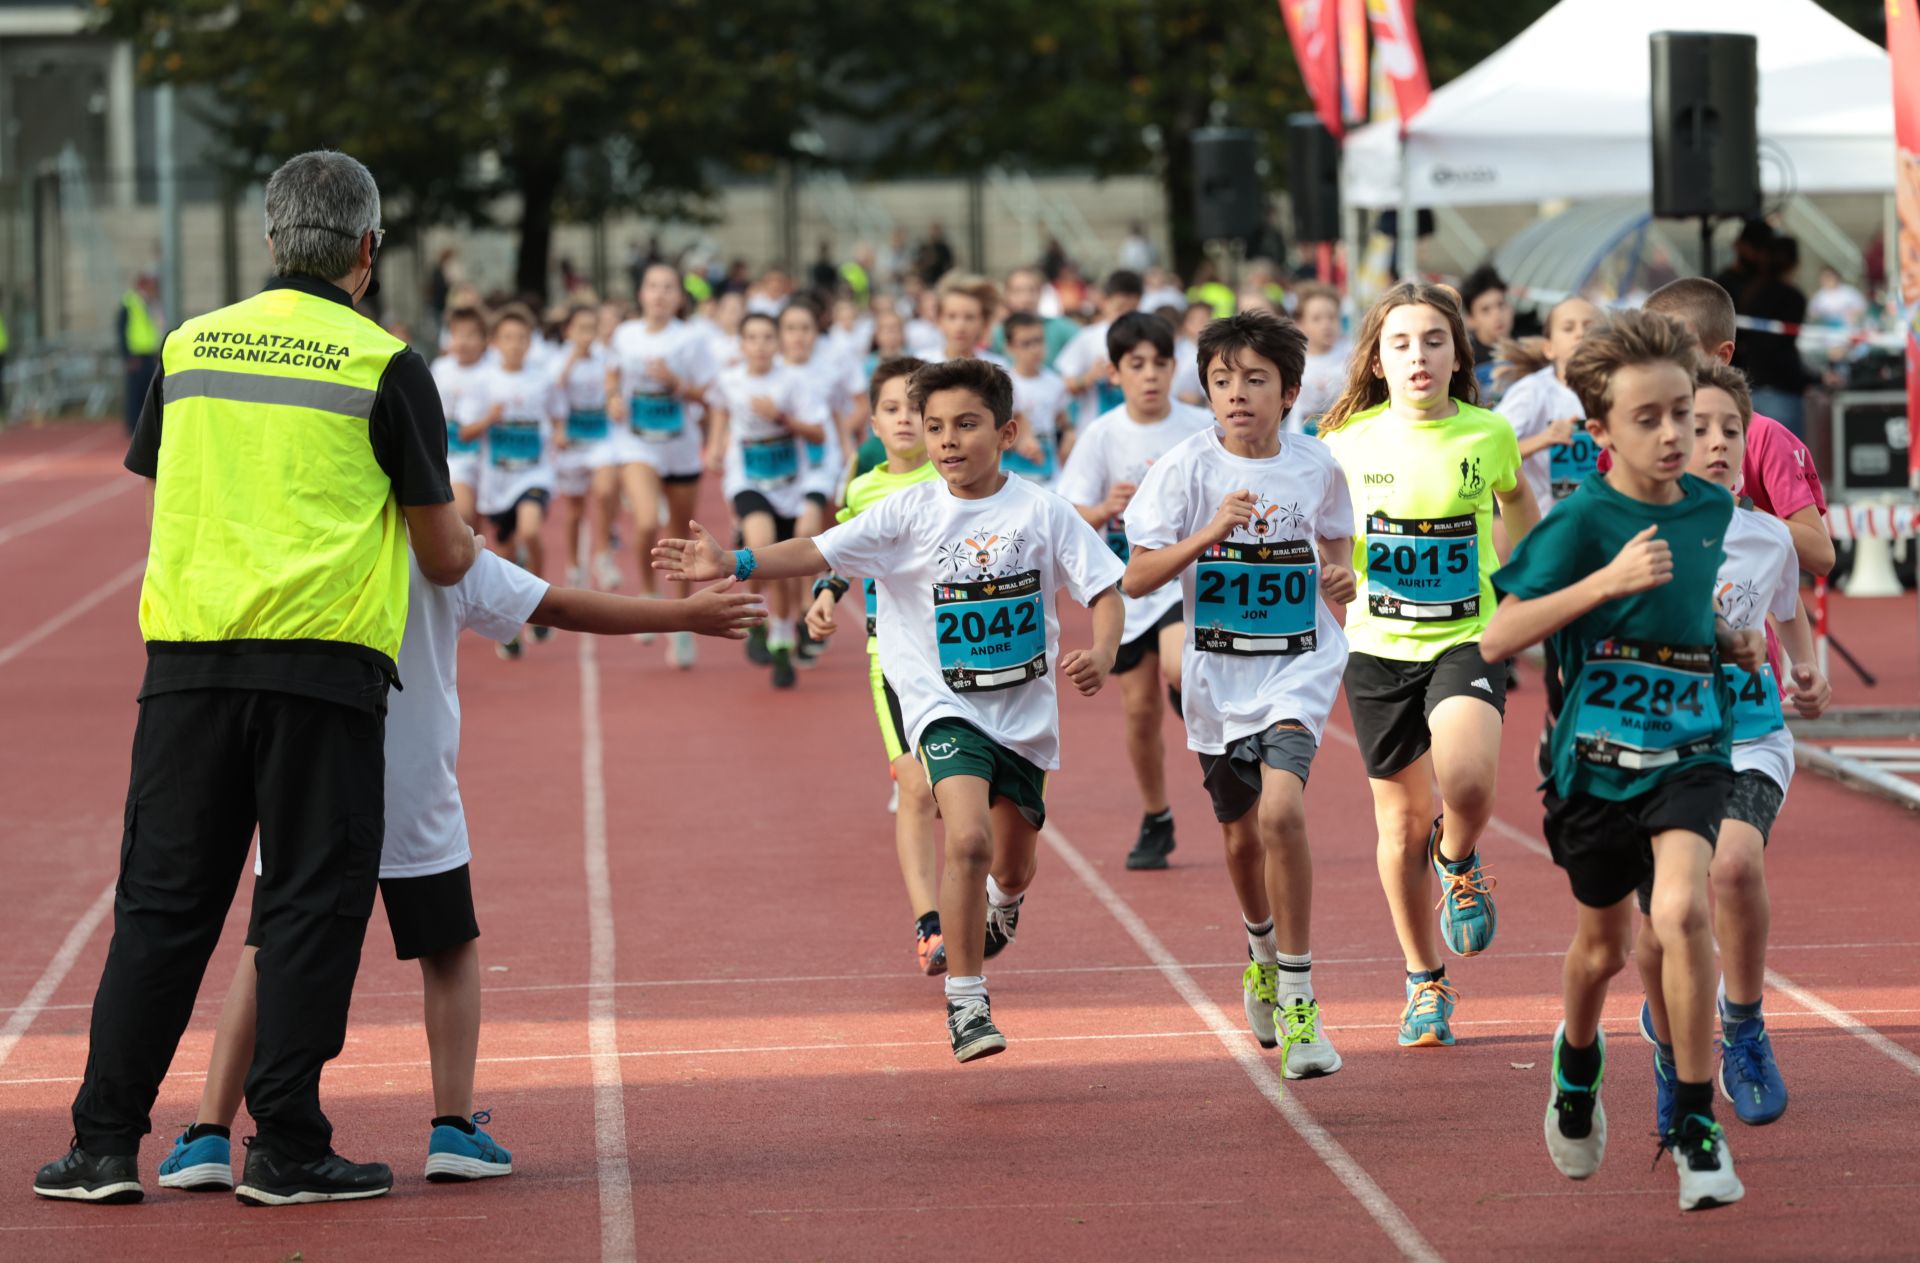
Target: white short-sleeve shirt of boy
{"type": "Point", "coordinates": [688, 355]}
{"type": "Point", "coordinates": [1321, 381]}
{"type": "Point", "coordinates": [1300, 494]}
{"type": "Point", "coordinates": [1085, 351]}
{"type": "Point", "coordinates": [1042, 400]}
{"type": "Point", "coordinates": [925, 546]}
{"type": "Point", "coordinates": [426, 824]}
{"type": "Point", "coordinates": [1116, 449]}
{"type": "Point", "coordinates": [1760, 576]}
{"type": "Point", "coordinates": [788, 391]}
{"type": "Point", "coordinates": [460, 386]}
{"type": "Point", "coordinates": [517, 450]}
{"type": "Point", "coordinates": [1530, 406]}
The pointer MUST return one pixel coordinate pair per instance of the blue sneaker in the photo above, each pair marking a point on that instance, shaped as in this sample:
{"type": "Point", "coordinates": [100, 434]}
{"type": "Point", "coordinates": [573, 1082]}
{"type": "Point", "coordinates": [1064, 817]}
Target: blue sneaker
{"type": "Point", "coordinates": [203, 1166]}
{"type": "Point", "coordinates": [454, 1155]}
{"type": "Point", "coordinates": [1748, 1076]}
{"type": "Point", "coordinates": [1663, 1073]}
{"type": "Point", "coordinates": [1423, 1023]}
{"type": "Point", "coordinates": [1467, 917]}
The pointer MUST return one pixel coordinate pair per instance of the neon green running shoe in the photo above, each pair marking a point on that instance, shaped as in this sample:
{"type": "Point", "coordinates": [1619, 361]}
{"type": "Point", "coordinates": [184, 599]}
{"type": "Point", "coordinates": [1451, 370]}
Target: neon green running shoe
{"type": "Point", "coordinates": [1305, 1052]}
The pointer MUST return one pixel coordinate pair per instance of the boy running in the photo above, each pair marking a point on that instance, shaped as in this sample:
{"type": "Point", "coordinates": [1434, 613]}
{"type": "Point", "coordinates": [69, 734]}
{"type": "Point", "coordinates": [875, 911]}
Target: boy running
{"type": "Point", "coordinates": [1257, 528]}
{"type": "Point", "coordinates": [966, 570]}
{"type": "Point", "coordinates": [1327, 354]}
{"type": "Point", "coordinates": [1110, 458]}
{"type": "Point", "coordinates": [1760, 577]}
{"type": "Point", "coordinates": [586, 469]}
{"type": "Point", "coordinates": [1039, 402]}
{"type": "Point", "coordinates": [1084, 361]}
{"type": "Point", "coordinates": [425, 881]}
{"type": "Point", "coordinates": [458, 374]}
{"type": "Point", "coordinates": [898, 427]}
{"type": "Point", "coordinates": [1621, 577]}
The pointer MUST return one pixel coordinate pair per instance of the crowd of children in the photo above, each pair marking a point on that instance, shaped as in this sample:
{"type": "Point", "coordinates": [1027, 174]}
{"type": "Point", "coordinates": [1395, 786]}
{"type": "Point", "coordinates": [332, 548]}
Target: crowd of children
{"type": "Point", "coordinates": [1258, 513]}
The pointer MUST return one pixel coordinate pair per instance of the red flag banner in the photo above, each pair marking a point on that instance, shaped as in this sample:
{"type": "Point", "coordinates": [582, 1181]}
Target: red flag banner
{"type": "Point", "coordinates": [1903, 42]}
{"type": "Point", "coordinates": [1397, 45]}
{"type": "Point", "coordinates": [1354, 44]}
{"type": "Point", "coordinates": [1313, 27]}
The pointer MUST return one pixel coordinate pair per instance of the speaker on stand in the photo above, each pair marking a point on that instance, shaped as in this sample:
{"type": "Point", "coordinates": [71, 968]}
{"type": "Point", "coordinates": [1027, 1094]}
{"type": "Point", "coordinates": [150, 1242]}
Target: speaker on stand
{"type": "Point", "coordinates": [1313, 183]}
{"type": "Point", "coordinates": [1706, 154]}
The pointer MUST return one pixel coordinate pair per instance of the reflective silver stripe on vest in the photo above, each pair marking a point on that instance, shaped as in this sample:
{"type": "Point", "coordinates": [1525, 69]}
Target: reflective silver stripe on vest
{"type": "Point", "coordinates": [295, 392]}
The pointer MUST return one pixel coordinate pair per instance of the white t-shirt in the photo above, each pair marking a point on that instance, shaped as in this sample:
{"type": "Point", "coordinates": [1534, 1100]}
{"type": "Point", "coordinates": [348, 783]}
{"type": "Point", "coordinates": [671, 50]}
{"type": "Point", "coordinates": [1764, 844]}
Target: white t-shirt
{"type": "Point", "coordinates": [1263, 645]}
{"type": "Point", "coordinates": [966, 601]}
{"type": "Point", "coordinates": [517, 450]}
{"type": "Point", "coordinates": [1187, 384]}
{"type": "Point", "coordinates": [662, 429]}
{"type": "Point", "coordinates": [1760, 576]}
{"type": "Point", "coordinates": [459, 384]}
{"type": "Point", "coordinates": [764, 456]}
{"type": "Point", "coordinates": [426, 830]}
{"type": "Point", "coordinates": [924, 340]}
{"type": "Point", "coordinates": [1083, 352]}
{"type": "Point", "coordinates": [1115, 449]}
{"type": "Point", "coordinates": [1041, 401]}
{"type": "Point", "coordinates": [835, 383]}
{"type": "Point", "coordinates": [1530, 406]}
{"type": "Point", "coordinates": [1321, 382]}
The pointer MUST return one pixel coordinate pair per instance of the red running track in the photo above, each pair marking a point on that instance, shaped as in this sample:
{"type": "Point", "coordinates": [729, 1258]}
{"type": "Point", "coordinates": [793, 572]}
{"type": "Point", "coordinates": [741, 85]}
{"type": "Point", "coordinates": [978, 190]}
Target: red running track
{"type": "Point", "coordinates": [704, 1038]}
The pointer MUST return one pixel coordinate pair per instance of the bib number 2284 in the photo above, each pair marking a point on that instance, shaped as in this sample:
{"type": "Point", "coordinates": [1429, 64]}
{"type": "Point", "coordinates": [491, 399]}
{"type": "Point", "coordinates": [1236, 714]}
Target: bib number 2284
{"type": "Point", "coordinates": [1640, 705]}
{"type": "Point", "coordinates": [991, 634]}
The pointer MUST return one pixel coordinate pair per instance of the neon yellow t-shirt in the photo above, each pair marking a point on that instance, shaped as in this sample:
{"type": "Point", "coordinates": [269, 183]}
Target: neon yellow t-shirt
{"type": "Point", "coordinates": [863, 493]}
{"type": "Point", "coordinates": [1422, 540]}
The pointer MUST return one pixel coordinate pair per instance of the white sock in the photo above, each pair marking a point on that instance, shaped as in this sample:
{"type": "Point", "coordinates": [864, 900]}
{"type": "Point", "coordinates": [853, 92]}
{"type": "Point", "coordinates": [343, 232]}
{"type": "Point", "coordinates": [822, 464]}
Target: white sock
{"type": "Point", "coordinates": [998, 897]}
{"type": "Point", "coordinates": [780, 632]}
{"type": "Point", "coordinates": [1260, 942]}
{"type": "Point", "coordinates": [959, 988]}
{"type": "Point", "coordinates": [1296, 977]}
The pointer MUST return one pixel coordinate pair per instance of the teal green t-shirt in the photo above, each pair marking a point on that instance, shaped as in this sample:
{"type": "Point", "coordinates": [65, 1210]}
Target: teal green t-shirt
{"type": "Point", "coordinates": [1059, 332]}
{"type": "Point", "coordinates": [872, 455]}
{"type": "Point", "coordinates": [1644, 695]}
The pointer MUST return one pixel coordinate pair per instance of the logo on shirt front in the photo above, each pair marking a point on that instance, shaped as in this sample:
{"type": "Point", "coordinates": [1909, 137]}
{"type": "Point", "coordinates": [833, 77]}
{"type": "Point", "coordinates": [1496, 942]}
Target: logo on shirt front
{"type": "Point", "coordinates": [1736, 602]}
{"type": "Point", "coordinates": [1272, 520]}
{"type": "Point", "coordinates": [1472, 485]}
{"type": "Point", "coordinates": [981, 555]}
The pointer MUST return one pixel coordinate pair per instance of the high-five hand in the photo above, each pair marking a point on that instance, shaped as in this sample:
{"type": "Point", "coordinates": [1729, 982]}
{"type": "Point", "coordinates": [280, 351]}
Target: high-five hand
{"type": "Point", "coordinates": [721, 611]}
{"type": "Point", "coordinates": [696, 560]}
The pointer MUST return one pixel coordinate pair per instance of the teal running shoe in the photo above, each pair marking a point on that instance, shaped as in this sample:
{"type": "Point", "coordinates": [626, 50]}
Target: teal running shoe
{"type": "Point", "coordinates": [1467, 916]}
{"type": "Point", "coordinates": [1424, 1022]}
{"type": "Point", "coordinates": [456, 1155]}
{"type": "Point", "coordinates": [200, 1166]}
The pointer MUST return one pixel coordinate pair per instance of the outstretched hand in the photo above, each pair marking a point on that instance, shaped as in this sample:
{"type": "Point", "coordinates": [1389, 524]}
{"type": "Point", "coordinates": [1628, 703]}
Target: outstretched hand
{"type": "Point", "coordinates": [722, 611]}
{"type": "Point", "coordinates": [696, 560]}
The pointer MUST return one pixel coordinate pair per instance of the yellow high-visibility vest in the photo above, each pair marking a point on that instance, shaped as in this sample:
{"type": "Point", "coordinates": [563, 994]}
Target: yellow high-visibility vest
{"type": "Point", "coordinates": [272, 519]}
{"type": "Point", "coordinates": [143, 337]}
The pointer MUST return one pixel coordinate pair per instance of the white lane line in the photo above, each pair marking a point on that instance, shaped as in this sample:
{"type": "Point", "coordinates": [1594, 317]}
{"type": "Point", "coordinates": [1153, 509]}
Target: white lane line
{"type": "Point", "coordinates": [1391, 1220]}
{"type": "Point", "coordinates": [34, 464]}
{"type": "Point", "coordinates": [603, 1032]}
{"type": "Point", "coordinates": [992, 1206]}
{"type": "Point", "coordinates": [60, 512]}
{"type": "Point", "coordinates": [72, 612]}
{"type": "Point", "coordinates": [55, 973]}
{"type": "Point", "coordinates": [1846, 1021]}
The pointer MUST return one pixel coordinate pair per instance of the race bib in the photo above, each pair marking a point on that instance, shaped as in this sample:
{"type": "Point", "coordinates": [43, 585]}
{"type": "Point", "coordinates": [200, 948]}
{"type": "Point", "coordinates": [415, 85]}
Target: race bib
{"type": "Point", "coordinates": [1116, 537]}
{"type": "Point", "coordinates": [1756, 702]}
{"type": "Point", "coordinates": [1256, 598]}
{"type": "Point", "coordinates": [873, 607]}
{"type": "Point", "coordinates": [1639, 705]}
{"type": "Point", "coordinates": [771, 462]}
{"type": "Point", "coordinates": [587, 425]}
{"type": "Point", "coordinates": [456, 446]}
{"type": "Point", "coordinates": [1041, 471]}
{"type": "Point", "coordinates": [816, 455]}
{"type": "Point", "coordinates": [514, 444]}
{"type": "Point", "coordinates": [1572, 461]}
{"type": "Point", "coordinates": [1423, 570]}
{"type": "Point", "coordinates": [657, 418]}
{"type": "Point", "coordinates": [1109, 396]}
{"type": "Point", "coordinates": [991, 634]}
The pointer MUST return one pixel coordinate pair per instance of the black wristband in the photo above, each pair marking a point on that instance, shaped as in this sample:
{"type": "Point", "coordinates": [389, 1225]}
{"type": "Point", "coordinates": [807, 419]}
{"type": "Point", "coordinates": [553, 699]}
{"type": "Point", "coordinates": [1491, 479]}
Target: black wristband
{"type": "Point", "coordinates": [831, 583]}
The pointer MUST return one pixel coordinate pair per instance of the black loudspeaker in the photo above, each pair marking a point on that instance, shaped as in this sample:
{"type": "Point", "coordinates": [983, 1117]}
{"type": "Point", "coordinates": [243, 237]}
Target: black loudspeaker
{"type": "Point", "coordinates": [1313, 178]}
{"type": "Point", "coordinates": [1228, 202]}
{"type": "Point", "coordinates": [1706, 98]}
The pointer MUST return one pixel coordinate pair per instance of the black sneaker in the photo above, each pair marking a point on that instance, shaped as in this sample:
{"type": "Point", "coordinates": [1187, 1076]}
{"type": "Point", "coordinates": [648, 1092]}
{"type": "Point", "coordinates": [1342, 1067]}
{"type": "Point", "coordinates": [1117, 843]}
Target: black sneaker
{"type": "Point", "coordinates": [271, 1180]}
{"type": "Point", "coordinates": [542, 635]}
{"type": "Point", "coordinates": [783, 676]}
{"type": "Point", "coordinates": [1155, 843]}
{"type": "Point", "coordinates": [757, 652]}
{"type": "Point", "coordinates": [510, 650]}
{"type": "Point", "coordinates": [1002, 925]}
{"type": "Point", "coordinates": [808, 651]}
{"type": "Point", "coordinates": [971, 1028]}
{"type": "Point", "coordinates": [90, 1177]}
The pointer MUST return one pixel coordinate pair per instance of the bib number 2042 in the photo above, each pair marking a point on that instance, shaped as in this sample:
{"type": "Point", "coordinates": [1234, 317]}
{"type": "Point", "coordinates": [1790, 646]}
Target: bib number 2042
{"type": "Point", "coordinates": [991, 634]}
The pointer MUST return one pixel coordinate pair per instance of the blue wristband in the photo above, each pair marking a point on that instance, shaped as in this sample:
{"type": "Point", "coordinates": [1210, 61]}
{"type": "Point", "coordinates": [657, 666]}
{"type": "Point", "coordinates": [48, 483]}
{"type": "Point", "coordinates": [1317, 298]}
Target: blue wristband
{"type": "Point", "coordinates": [744, 564]}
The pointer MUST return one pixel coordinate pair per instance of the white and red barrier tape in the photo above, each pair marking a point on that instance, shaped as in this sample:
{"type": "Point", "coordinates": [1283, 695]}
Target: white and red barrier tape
{"type": "Point", "coordinates": [1873, 521]}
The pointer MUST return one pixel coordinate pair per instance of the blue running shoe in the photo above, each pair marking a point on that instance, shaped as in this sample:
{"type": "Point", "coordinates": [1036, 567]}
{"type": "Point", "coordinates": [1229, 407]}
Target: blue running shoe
{"type": "Point", "coordinates": [1467, 917]}
{"type": "Point", "coordinates": [1423, 1023]}
{"type": "Point", "coordinates": [1664, 1075]}
{"type": "Point", "coordinates": [202, 1166]}
{"type": "Point", "coordinates": [455, 1155]}
{"type": "Point", "coordinates": [1749, 1078]}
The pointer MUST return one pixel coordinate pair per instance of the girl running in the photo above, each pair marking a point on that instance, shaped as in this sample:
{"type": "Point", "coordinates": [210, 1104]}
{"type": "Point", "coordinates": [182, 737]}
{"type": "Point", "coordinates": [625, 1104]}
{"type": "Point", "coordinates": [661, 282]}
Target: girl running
{"type": "Point", "coordinates": [586, 473]}
{"type": "Point", "coordinates": [1424, 466]}
{"type": "Point", "coordinates": [657, 377]}
{"type": "Point", "coordinates": [1556, 452]}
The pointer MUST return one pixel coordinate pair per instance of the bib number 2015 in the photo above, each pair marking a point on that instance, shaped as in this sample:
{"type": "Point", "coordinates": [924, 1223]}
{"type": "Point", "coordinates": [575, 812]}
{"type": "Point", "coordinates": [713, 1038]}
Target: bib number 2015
{"type": "Point", "coordinates": [1425, 570]}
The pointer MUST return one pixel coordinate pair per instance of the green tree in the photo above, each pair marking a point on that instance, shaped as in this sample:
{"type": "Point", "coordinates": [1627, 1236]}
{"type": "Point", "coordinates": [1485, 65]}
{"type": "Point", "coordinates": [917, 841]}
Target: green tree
{"type": "Point", "coordinates": [575, 106]}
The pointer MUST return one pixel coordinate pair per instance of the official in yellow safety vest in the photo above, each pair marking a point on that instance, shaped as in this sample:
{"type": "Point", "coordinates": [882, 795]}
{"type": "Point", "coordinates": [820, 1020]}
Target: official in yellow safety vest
{"type": "Point", "coordinates": [293, 447]}
{"type": "Point", "coordinates": [139, 331]}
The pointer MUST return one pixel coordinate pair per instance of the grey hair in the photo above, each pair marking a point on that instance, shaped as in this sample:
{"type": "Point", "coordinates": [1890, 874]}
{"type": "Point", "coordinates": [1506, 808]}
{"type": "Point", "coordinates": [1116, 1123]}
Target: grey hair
{"type": "Point", "coordinates": [319, 206]}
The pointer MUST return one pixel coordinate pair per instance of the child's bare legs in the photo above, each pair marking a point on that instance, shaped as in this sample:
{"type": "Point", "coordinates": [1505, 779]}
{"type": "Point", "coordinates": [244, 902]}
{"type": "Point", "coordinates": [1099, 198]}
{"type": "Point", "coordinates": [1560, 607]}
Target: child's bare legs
{"type": "Point", "coordinates": [225, 1087]}
{"type": "Point", "coordinates": [530, 519]}
{"type": "Point", "coordinates": [572, 510]}
{"type": "Point", "coordinates": [981, 840]}
{"type": "Point", "coordinates": [603, 498]}
{"type": "Point", "coordinates": [1597, 953]}
{"type": "Point", "coordinates": [1684, 928]}
{"type": "Point", "coordinates": [452, 984]}
{"type": "Point", "coordinates": [642, 485]}
{"type": "Point", "coordinates": [757, 531]}
{"type": "Point", "coordinates": [682, 498]}
{"type": "Point", "coordinates": [1742, 913]}
{"type": "Point", "coordinates": [913, 836]}
{"type": "Point", "coordinates": [1466, 762]}
{"type": "Point", "coordinates": [1146, 751]}
{"type": "Point", "coordinates": [1403, 813]}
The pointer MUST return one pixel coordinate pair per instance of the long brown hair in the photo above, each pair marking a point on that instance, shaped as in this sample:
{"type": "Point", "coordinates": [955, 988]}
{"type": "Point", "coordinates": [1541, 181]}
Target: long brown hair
{"type": "Point", "coordinates": [1366, 387]}
{"type": "Point", "coordinates": [1515, 358]}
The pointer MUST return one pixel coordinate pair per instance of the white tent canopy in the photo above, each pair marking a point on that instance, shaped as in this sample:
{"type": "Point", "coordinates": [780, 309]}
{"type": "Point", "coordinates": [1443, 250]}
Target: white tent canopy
{"type": "Point", "coordinates": [1564, 110]}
